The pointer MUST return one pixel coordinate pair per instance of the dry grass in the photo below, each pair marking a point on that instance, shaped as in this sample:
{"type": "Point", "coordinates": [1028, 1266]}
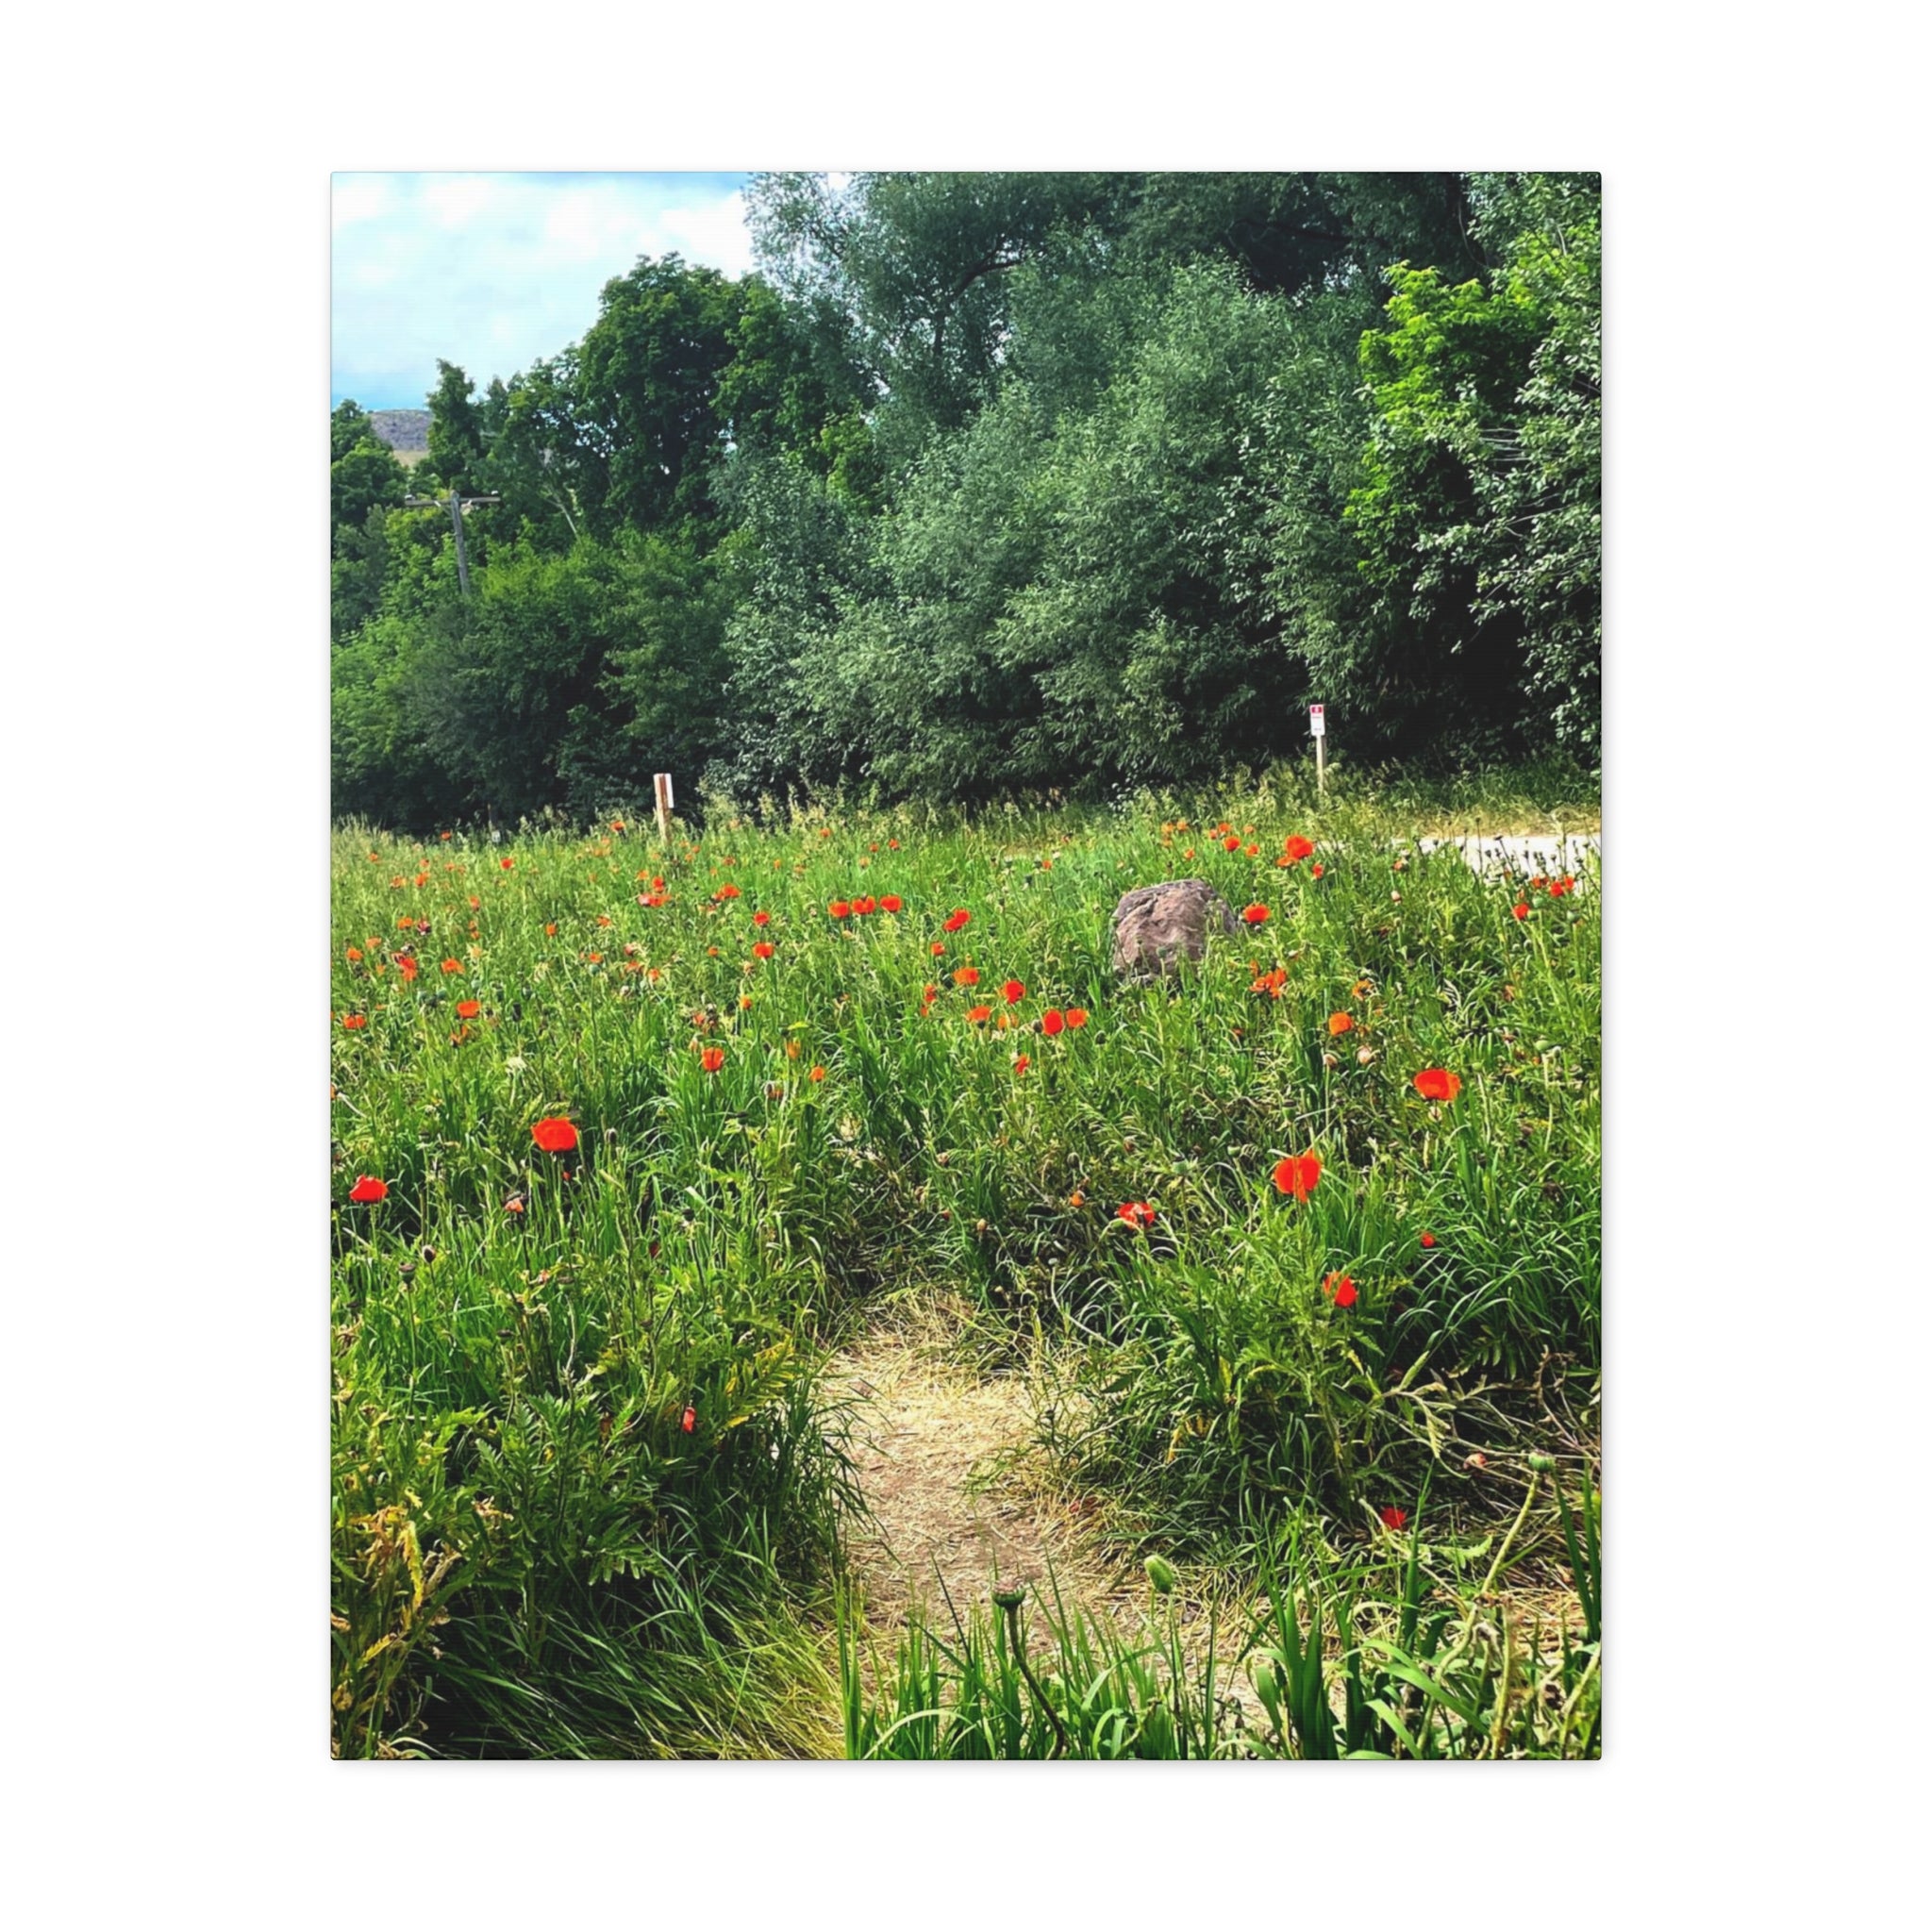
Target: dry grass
{"type": "Point", "coordinates": [959, 1501]}
{"type": "Point", "coordinates": [962, 1498]}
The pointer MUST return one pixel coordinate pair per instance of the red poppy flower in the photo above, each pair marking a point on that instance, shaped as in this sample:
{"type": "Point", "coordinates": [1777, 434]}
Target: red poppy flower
{"type": "Point", "coordinates": [1013, 992]}
{"type": "Point", "coordinates": [1429, 1239]}
{"type": "Point", "coordinates": [711, 1059]}
{"type": "Point", "coordinates": [353, 955]}
{"type": "Point", "coordinates": [763, 950]}
{"type": "Point", "coordinates": [1298, 1174]}
{"type": "Point", "coordinates": [727, 891]}
{"type": "Point", "coordinates": [839, 908]}
{"type": "Point", "coordinates": [507, 863]}
{"type": "Point", "coordinates": [468, 1009]}
{"type": "Point", "coordinates": [1297, 848]}
{"type": "Point", "coordinates": [958, 919]}
{"type": "Point", "coordinates": [1020, 1063]}
{"type": "Point", "coordinates": [980, 1015]}
{"type": "Point", "coordinates": [1136, 1213]}
{"type": "Point", "coordinates": [861, 907]}
{"type": "Point", "coordinates": [1231, 843]}
{"type": "Point", "coordinates": [1395, 1518]}
{"type": "Point", "coordinates": [409, 967]}
{"type": "Point", "coordinates": [818, 1073]}
{"type": "Point", "coordinates": [1438, 1083]}
{"type": "Point", "coordinates": [514, 1205]}
{"type": "Point", "coordinates": [1254, 914]}
{"type": "Point", "coordinates": [1520, 909]}
{"type": "Point", "coordinates": [555, 1134]}
{"type": "Point", "coordinates": [368, 1188]}
{"type": "Point", "coordinates": [1076, 1017]}
{"type": "Point", "coordinates": [890, 903]}
{"type": "Point", "coordinates": [452, 965]}
{"type": "Point", "coordinates": [966, 975]}
{"type": "Point", "coordinates": [1340, 1022]}
{"type": "Point", "coordinates": [1052, 1020]}
{"type": "Point", "coordinates": [1340, 1289]}
{"type": "Point", "coordinates": [762, 919]}
{"type": "Point", "coordinates": [1315, 872]}
{"type": "Point", "coordinates": [690, 1420]}
{"type": "Point", "coordinates": [355, 1022]}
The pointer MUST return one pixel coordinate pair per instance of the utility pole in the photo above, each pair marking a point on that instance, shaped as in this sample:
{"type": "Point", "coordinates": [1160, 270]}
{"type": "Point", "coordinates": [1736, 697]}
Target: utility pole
{"type": "Point", "coordinates": [455, 504]}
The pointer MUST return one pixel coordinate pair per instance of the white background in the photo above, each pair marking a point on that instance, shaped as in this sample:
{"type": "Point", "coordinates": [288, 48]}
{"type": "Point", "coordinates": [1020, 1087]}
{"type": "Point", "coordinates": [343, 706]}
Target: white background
{"type": "Point", "coordinates": [166, 365]}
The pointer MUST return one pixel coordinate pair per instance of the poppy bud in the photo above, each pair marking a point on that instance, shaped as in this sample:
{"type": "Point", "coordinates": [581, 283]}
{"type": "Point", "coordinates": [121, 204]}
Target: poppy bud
{"type": "Point", "coordinates": [1542, 1465]}
{"type": "Point", "coordinates": [1161, 1574]}
{"type": "Point", "coordinates": [690, 1419]}
{"type": "Point", "coordinates": [1010, 1599]}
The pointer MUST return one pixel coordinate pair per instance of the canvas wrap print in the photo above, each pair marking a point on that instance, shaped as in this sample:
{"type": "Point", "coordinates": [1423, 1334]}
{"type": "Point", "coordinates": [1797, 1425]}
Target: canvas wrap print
{"type": "Point", "coordinates": [966, 892]}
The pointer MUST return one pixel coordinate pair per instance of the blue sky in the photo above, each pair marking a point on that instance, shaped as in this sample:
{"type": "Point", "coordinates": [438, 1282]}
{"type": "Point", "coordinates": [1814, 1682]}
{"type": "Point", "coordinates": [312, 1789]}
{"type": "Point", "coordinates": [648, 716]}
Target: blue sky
{"type": "Point", "coordinates": [493, 271]}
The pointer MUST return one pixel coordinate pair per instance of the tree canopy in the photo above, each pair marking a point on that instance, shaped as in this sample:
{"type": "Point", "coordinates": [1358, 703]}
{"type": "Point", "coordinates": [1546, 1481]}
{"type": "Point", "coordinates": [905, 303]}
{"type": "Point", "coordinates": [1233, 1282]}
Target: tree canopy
{"type": "Point", "coordinates": [993, 482]}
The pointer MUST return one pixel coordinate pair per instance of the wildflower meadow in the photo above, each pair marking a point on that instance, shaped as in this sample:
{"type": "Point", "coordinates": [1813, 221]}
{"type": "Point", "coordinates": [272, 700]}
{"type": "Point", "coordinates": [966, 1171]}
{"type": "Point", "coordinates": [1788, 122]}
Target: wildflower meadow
{"type": "Point", "coordinates": [1289, 1261]}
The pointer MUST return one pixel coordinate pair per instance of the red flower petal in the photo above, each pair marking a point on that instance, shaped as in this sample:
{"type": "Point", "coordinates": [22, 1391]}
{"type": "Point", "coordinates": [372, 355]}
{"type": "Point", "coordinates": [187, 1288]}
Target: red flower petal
{"type": "Point", "coordinates": [1298, 1174]}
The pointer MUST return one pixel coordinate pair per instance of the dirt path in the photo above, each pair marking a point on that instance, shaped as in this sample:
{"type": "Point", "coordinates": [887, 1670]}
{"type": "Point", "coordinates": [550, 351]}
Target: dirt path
{"type": "Point", "coordinates": [957, 1498]}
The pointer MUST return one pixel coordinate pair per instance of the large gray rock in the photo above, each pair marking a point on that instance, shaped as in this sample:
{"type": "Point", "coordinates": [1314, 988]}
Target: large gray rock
{"type": "Point", "coordinates": [1155, 925]}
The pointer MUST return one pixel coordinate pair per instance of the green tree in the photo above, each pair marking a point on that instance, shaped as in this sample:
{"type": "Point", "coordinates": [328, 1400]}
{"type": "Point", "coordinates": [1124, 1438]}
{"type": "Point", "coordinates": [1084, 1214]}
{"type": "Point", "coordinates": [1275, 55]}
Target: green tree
{"type": "Point", "coordinates": [647, 377]}
{"type": "Point", "coordinates": [552, 468]}
{"type": "Point", "coordinates": [1478, 509]}
{"type": "Point", "coordinates": [366, 475]}
{"type": "Point", "coordinates": [348, 425]}
{"type": "Point", "coordinates": [566, 675]}
{"type": "Point", "coordinates": [456, 459]}
{"type": "Point", "coordinates": [801, 555]}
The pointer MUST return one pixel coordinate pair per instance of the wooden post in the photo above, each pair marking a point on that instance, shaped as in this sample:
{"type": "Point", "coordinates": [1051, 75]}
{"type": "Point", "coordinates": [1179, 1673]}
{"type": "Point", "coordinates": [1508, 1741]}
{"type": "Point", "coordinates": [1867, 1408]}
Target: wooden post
{"type": "Point", "coordinates": [662, 782]}
{"type": "Point", "coordinates": [454, 504]}
{"type": "Point", "coordinates": [456, 517]}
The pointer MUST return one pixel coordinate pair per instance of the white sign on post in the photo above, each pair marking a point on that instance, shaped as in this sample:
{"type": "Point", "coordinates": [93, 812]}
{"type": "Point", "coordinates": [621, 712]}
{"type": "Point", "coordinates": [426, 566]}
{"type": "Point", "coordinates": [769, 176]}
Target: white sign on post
{"type": "Point", "coordinates": [1318, 725]}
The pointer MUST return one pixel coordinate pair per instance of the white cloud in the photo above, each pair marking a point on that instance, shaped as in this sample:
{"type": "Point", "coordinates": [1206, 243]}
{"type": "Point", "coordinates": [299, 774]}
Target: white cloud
{"type": "Point", "coordinates": [457, 201]}
{"type": "Point", "coordinates": [493, 271]}
{"type": "Point", "coordinates": [358, 198]}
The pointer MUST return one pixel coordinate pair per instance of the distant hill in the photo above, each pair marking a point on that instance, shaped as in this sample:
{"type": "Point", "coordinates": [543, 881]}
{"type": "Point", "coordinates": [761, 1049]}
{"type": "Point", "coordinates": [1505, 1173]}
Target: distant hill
{"type": "Point", "coordinates": [405, 431]}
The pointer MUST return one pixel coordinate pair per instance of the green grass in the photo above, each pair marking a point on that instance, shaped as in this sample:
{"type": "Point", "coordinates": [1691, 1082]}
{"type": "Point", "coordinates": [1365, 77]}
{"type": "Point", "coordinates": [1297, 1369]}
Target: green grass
{"type": "Point", "coordinates": [1315, 1677]}
{"type": "Point", "coordinates": [534, 1553]}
